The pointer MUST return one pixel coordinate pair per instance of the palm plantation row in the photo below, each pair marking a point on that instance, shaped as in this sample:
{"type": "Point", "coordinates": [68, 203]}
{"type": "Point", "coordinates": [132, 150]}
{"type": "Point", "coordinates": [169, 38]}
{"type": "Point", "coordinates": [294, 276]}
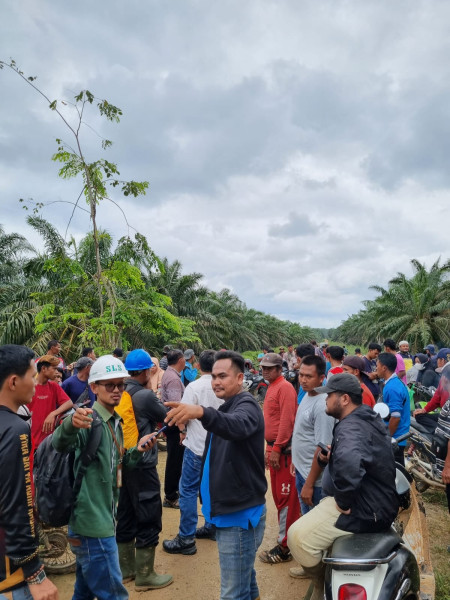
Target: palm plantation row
{"type": "Point", "coordinates": [416, 309]}
{"type": "Point", "coordinates": [147, 301]}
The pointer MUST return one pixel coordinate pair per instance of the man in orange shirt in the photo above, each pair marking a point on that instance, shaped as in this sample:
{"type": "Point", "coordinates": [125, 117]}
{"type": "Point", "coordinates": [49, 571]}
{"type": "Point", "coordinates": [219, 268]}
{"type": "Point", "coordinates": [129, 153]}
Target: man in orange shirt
{"type": "Point", "coordinates": [355, 366]}
{"type": "Point", "coordinates": [280, 407]}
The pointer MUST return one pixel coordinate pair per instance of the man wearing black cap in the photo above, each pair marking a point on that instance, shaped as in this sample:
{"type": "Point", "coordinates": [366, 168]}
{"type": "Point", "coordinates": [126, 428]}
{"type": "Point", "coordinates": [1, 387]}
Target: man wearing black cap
{"type": "Point", "coordinates": [358, 482]}
{"type": "Point", "coordinates": [163, 362]}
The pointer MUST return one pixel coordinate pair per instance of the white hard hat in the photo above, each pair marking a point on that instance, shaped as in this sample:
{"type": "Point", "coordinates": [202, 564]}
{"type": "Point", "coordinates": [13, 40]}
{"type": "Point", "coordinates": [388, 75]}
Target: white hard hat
{"type": "Point", "coordinates": [107, 367]}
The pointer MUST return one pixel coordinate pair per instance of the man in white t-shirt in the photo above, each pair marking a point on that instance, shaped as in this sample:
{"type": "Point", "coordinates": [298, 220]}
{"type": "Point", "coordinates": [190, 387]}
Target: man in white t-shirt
{"type": "Point", "coordinates": [200, 393]}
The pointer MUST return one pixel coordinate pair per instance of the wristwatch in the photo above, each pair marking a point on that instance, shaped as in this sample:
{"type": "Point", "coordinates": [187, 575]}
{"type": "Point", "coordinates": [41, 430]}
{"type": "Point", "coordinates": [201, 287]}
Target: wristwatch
{"type": "Point", "coordinates": [39, 578]}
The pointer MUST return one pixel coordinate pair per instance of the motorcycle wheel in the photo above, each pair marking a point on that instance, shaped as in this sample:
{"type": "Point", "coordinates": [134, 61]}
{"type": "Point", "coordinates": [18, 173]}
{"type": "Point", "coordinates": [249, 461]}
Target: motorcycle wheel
{"type": "Point", "coordinates": [58, 559]}
{"type": "Point", "coordinates": [421, 486]}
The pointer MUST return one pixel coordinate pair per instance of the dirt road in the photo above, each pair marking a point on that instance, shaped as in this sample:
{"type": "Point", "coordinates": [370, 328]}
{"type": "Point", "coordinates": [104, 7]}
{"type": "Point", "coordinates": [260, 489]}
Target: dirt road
{"type": "Point", "coordinates": [198, 577]}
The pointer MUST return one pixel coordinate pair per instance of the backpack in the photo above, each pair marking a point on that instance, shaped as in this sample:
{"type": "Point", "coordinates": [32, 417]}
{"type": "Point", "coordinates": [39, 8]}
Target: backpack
{"type": "Point", "coordinates": [126, 411]}
{"type": "Point", "coordinates": [56, 488]}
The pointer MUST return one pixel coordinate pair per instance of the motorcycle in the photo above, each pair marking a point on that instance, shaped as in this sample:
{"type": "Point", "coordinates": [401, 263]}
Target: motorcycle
{"type": "Point", "coordinates": [421, 460]}
{"type": "Point", "coordinates": [54, 549]}
{"type": "Point", "coordinates": [256, 385]}
{"type": "Point", "coordinates": [371, 566]}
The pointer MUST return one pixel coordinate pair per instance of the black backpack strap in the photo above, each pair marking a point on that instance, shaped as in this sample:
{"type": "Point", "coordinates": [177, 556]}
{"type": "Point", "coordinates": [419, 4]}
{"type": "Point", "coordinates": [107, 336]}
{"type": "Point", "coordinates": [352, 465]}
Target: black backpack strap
{"type": "Point", "coordinates": [89, 452]}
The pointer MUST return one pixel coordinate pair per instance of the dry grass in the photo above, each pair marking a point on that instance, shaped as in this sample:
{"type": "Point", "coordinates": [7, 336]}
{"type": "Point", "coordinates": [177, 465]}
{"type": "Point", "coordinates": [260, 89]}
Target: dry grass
{"type": "Point", "coordinates": [438, 521]}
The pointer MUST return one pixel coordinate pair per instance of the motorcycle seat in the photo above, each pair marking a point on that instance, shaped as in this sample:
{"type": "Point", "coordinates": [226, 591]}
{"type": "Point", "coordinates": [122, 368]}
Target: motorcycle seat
{"type": "Point", "coordinates": [365, 546]}
{"type": "Point", "coordinates": [423, 430]}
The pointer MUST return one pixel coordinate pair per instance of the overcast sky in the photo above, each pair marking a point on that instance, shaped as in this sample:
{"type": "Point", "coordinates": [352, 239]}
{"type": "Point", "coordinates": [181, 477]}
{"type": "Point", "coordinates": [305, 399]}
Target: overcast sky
{"type": "Point", "coordinates": [297, 151]}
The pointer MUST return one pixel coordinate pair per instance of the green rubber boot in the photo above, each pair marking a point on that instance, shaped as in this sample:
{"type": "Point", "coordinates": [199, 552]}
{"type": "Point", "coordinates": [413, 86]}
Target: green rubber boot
{"type": "Point", "coordinates": [127, 561]}
{"type": "Point", "coordinates": [146, 578]}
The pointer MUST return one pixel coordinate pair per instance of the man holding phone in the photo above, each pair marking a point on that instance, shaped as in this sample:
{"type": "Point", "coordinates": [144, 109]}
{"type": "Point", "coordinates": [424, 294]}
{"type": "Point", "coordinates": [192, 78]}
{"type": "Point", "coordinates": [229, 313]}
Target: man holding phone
{"type": "Point", "coordinates": [92, 522]}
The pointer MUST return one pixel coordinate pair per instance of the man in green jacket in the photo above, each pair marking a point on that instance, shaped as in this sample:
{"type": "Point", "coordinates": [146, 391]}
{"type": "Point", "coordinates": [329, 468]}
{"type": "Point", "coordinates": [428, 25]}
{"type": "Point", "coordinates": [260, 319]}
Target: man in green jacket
{"type": "Point", "coordinates": [93, 518]}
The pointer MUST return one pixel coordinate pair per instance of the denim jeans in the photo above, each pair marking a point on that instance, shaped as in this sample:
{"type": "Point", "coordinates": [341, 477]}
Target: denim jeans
{"type": "Point", "coordinates": [22, 593]}
{"type": "Point", "coordinates": [189, 489]}
{"type": "Point", "coordinates": [98, 572]}
{"type": "Point", "coordinates": [317, 494]}
{"type": "Point", "coordinates": [237, 551]}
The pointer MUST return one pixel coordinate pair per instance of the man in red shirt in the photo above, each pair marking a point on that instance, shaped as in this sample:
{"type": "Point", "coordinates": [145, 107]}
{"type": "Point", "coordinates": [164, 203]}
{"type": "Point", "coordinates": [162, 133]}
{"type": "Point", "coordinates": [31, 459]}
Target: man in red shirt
{"type": "Point", "coordinates": [280, 407]}
{"type": "Point", "coordinates": [334, 355]}
{"type": "Point", "coordinates": [439, 398]}
{"type": "Point", "coordinates": [355, 365]}
{"type": "Point", "coordinates": [49, 400]}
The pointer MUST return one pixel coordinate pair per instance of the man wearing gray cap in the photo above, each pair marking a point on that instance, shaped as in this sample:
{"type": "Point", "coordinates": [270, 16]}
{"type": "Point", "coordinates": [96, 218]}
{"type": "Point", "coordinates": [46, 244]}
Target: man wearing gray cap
{"type": "Point", "coordinates": [189, 372]}
{"type": "Point", "coordinates": [358, 481]}
{"type": "Point", "coordinates": [280, 407]}
{"type": "Point", "coordinates": [77, 387]}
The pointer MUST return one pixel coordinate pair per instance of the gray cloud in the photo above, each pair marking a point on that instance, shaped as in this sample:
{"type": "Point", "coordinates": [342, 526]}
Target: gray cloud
{"type": "Point", "coordinates": [296, 226]}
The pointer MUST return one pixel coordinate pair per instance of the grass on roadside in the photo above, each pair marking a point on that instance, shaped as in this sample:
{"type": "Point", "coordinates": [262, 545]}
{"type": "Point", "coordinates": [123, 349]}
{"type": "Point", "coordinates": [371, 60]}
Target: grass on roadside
{"type": "Point", "coordinates": [439, 534]}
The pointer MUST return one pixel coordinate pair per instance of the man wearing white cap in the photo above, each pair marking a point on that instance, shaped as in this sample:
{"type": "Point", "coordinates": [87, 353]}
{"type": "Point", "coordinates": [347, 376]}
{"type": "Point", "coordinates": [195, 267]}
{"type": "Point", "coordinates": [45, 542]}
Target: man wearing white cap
{"type": "Point", "coordinates": [92, 522]}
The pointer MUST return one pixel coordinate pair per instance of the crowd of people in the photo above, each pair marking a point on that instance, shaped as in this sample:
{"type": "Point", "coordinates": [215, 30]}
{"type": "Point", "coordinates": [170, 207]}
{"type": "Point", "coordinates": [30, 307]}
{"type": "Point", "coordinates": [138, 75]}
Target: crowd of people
{"type": "Point", "coordinates": [312, 436]}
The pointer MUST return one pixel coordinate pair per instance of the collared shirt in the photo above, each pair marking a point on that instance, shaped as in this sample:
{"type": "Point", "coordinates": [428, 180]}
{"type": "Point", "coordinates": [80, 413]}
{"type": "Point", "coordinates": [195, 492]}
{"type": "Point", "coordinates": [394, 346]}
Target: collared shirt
{"type": "Point", "coordinates": [188, 374]}
{"type": "Point", "coordinates": [172, 388]}
{"type": "Point", "coordinates": [199, 393]}
{"type": "Point", "coordinates": [94, 513]}
{"type": "Point", "coordinates": [396, 396]}
{"type": "Point", "coordinates": [291, 359]}
{"type": "Point", "coordinates": [280, 406]}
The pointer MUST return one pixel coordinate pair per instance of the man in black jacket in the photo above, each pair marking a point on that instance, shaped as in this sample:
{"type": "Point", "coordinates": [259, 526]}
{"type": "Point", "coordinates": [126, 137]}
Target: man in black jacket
{"type": "Point", "coordinates": [358, 482]}
{"type": "Point", "coordinates": [233, 485]}
{"type": "Point", "coordinates": [20, 565]}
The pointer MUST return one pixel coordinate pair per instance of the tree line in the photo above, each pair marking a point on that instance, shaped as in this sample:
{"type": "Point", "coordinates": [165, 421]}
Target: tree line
{"type": "Point", "coordinates": [145, 301]}
{"type": "Point", "coordinates": [415, 308]}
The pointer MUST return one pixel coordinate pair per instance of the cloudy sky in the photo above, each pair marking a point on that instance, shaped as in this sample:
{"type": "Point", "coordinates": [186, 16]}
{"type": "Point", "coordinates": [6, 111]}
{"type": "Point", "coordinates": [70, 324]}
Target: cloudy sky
{"type": "Point", "coordinates": [297, 151]}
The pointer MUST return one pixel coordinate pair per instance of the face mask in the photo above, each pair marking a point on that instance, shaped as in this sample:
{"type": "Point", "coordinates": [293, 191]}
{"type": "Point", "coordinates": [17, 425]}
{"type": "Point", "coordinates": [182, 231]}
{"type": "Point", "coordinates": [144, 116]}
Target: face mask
{"type": "Point", "coordinates": [420, 366]}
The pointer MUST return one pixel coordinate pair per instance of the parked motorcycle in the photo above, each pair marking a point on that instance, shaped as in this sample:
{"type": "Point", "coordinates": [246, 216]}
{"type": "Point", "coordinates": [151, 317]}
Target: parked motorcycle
{"type": "Point", "coordinates": [373, 566]}
{"type": "Point", "coordinates": [421, 460]}
{"type": "Point", "coordinates": [256, 385]}
{"type": "Point", "coordinates": [54, 550]}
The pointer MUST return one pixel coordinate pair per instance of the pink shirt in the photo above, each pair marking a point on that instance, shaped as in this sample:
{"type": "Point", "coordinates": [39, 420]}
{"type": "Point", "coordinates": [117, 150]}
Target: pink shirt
{"type": "Point", "coordinates": [400, 367]}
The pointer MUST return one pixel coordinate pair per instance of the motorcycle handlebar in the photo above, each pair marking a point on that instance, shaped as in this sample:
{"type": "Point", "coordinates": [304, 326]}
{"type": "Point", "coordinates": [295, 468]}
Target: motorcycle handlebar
{"type": "Point", "coordinates": [401, 438]}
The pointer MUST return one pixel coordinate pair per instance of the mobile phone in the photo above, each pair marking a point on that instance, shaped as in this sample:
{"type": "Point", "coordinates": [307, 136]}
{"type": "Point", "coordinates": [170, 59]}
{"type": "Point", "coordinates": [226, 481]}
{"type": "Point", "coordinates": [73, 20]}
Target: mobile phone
{"type": "Point", "coordinates": [154, 435]}
{"type": "Point", "coordinates": [324, 448]}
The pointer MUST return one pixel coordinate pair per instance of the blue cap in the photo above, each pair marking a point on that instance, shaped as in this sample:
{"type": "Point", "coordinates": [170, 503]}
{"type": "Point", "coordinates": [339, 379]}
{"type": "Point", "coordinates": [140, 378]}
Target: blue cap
{"type": "Point", "coordinates": [138, 360]}
{"type": "Point", "coordinates": [444, 353]}
{"type": "Point", "coordinates": [431, 348]}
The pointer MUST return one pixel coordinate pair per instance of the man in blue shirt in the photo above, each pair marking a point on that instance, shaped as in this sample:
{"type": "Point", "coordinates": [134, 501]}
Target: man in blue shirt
{"type": "Point", "coordinates": [77, 385]}
{"type": "Point", "coordinates": [189, 373]}
{"type": "Point", "coordinates": [396, 396]}
{"type": "Point", "coordinates": [233, 484]}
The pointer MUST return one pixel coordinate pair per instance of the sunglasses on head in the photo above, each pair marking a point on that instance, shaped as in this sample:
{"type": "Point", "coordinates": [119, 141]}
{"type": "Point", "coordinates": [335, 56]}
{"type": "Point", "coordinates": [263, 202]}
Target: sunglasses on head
{"type": "Point", "coordinates": [110, 387]}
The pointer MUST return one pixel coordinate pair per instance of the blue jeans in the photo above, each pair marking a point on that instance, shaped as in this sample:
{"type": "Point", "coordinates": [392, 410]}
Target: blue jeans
{"type": "Point", "coordinates": [237, 551]}
{"type": "Point", "coordinates": [317, 494]}
{"type": "Point", "coordinates": [189, 489]}
{"type": "Point", "coordinates": [23, 593]}
{"type": "Point", "coordinates": [98, 571]}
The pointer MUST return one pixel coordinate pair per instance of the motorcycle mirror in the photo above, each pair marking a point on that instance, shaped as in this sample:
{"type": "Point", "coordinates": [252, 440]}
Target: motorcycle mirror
{"type": "Point", "coordinates": [382, 409]}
